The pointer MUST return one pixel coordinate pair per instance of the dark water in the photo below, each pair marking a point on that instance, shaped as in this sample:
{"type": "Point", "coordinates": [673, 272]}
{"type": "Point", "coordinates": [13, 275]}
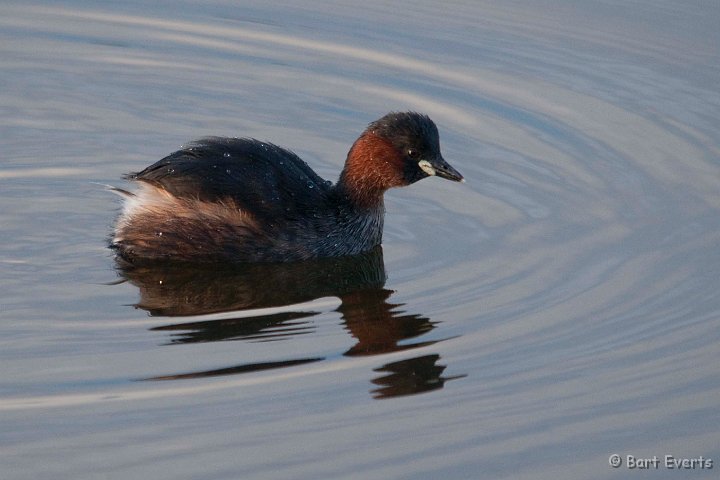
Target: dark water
{"type": "Point", "coordinates": [558, 308]}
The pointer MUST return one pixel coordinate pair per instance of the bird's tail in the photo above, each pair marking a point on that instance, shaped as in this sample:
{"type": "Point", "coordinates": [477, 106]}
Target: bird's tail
{"type": "Point", "coordinates": [116, 190]}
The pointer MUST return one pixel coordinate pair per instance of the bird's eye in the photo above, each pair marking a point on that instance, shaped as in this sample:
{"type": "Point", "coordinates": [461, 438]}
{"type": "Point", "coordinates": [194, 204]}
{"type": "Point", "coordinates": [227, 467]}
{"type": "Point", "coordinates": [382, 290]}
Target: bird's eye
{"type": "Point", "coordinates": [412, 153]}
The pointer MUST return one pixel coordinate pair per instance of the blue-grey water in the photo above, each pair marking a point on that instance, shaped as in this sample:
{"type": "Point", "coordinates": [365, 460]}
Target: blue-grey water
{"type": "Point", "coordinates": [560, 307]}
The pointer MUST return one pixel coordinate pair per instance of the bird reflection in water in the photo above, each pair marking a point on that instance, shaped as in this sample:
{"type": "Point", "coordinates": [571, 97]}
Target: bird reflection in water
{"type": "Point", "coordinates": [407, 377]}
{"type": "Point", "coordinates": [179, 290]}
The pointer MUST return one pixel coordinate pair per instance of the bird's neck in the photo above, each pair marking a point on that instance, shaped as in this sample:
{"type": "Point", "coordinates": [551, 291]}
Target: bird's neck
{"type": "Point", "coordinates": [372, 166]}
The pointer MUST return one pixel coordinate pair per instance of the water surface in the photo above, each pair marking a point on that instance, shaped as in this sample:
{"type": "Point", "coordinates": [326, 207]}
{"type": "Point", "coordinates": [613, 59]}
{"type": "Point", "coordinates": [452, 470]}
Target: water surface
{"type": "Point", "coordinates": [559, 307]}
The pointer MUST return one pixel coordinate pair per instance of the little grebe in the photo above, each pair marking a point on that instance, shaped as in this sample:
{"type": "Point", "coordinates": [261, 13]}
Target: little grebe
{"type": "Point", "coordinates": [242, 200]}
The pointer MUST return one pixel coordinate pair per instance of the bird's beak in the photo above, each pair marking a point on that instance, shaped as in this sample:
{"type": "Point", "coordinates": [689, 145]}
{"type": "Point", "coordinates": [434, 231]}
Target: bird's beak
{"type": "Point", "coordinates": [439, 167]}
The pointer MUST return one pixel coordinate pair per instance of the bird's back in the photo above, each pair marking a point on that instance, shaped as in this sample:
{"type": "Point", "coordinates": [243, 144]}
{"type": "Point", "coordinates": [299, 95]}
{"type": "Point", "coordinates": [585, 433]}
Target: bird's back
{"type": "Point", "coordinates": [268, 182]}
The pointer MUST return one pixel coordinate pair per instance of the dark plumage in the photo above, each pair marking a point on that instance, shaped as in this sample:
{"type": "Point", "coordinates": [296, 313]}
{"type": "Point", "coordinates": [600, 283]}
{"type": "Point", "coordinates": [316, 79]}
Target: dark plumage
{"type": "Point", "coordinates": [249, 201]}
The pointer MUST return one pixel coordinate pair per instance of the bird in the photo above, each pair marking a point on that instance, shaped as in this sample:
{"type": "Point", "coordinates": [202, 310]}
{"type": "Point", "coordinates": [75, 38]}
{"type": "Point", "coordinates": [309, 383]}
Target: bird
{"type": "Point", "coordinates": [242, 200]}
